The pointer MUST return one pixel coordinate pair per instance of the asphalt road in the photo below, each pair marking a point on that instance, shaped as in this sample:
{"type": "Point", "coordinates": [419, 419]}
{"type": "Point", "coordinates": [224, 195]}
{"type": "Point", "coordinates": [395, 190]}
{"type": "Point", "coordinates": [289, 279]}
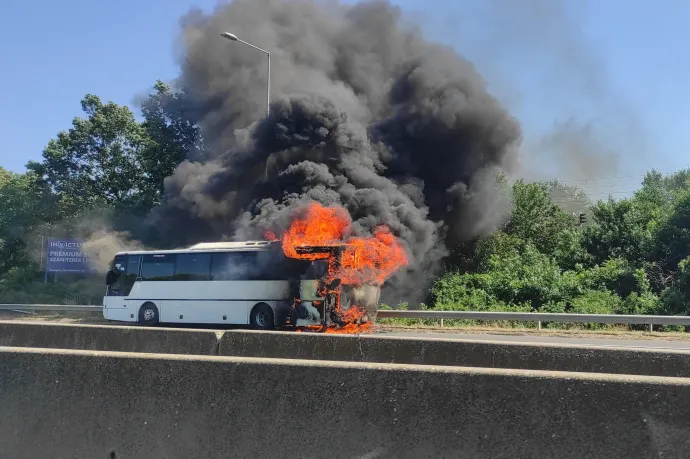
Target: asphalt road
{"type": "Point", "coordinates": [605, 342]}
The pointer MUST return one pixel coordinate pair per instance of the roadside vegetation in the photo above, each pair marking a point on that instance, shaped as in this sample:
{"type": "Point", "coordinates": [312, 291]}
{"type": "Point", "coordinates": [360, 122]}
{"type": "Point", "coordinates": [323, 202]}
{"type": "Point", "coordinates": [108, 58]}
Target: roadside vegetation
{"type": "Point", "coordinates": [629, 256]}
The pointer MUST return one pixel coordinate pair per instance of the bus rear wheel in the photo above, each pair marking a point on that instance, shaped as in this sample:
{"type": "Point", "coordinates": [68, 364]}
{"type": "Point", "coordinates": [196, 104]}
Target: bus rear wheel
{"type": "Point", "coordinates": [148, 314]}
{"type": "Point", "coordinates": [261, 317]}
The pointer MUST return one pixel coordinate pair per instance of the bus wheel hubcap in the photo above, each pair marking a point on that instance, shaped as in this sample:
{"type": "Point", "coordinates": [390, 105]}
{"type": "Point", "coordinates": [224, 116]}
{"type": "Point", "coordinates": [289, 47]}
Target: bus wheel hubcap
{"type": "Point", "coordinates": [148, 314]}
{"type": "Point", "coordinates": [261, 319]}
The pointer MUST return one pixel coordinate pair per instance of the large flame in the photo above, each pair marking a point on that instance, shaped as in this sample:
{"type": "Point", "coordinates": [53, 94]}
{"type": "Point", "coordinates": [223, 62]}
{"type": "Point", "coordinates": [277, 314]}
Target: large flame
{"type": "Point", "coordinates": [316, 226]}
{"type": "Point", "coordinates": [365, 260]}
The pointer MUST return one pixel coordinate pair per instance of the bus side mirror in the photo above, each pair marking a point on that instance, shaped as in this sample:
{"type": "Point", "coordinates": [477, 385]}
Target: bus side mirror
{"type": "Point", "coordinates": [110, 278]}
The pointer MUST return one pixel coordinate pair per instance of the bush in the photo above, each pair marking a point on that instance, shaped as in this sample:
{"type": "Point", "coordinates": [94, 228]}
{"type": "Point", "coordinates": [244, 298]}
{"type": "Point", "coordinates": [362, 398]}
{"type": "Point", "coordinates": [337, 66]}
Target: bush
{"type": "Point", "coordinates": [596, 302]}
{"type": "Point", "coordinates": [22, 287]}
{"type": "Point", "coordinates": [522, 278]}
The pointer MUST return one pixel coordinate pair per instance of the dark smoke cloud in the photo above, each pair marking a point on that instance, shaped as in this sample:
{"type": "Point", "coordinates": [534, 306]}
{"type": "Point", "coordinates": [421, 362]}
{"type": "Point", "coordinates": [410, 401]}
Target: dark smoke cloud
{"type": "Point", "coordinates": [365, 114]}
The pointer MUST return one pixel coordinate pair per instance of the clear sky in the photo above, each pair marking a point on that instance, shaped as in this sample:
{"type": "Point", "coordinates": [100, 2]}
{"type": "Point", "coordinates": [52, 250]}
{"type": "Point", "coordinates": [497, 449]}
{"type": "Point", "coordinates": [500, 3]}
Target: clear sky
{"type": "Point", "coordinates": [616, 70]}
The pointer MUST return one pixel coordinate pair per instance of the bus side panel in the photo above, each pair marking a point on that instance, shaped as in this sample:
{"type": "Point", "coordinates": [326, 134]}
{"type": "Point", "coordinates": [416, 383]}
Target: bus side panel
{"type": "Point", "coordinates": [114, 302]}
{"type": "Point", "coordinates": [123, 315]}
{"type": "Point", "coordinates": [116, 308]}
{"type": "Point", "coordinates": [136, 291]}
{"type": "Point", "coordinates": [208, 301]}
{"type": "Point", "coordinates": [206, 311]}
{"type": "Point", "coordinates": [211, 290]}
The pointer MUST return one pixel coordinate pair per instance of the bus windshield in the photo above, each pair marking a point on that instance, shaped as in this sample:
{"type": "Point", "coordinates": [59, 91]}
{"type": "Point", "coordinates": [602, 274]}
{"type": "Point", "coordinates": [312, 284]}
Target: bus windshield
{"type": "Point", "coordinates": [123, 272]}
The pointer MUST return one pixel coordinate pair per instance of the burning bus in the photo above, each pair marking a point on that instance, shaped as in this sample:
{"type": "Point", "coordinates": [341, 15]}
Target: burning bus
{"type": "Point", "coordinates": [322, 295]}
{"type": "Point", "coordinates": [315, 275]}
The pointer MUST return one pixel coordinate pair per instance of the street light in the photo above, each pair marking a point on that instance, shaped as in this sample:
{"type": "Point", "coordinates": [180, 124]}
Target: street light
{"type": "Point", "coordinates": [233, 37]}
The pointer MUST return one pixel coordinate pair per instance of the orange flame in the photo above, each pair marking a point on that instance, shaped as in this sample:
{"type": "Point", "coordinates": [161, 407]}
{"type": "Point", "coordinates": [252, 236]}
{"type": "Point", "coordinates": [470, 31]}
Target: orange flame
{"type": "Point", "coordinates": [318, 225]}
{"type": "Point", "coordinates": [365, 260]}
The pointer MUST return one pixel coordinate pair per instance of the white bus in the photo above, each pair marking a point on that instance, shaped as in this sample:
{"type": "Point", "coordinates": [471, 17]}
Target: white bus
{"type": "Point", "coordinates": [241, 283]}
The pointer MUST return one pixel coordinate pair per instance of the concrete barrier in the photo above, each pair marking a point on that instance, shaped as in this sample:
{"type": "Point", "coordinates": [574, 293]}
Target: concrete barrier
{"type": "Point", "coordinates": [533, 356]}
{"type": "Point", "coordinates": [362, 348]}
{"type": "Point", "coordinates": [108, 338]}
{"type": "Point", "coordinates": [84, 404]}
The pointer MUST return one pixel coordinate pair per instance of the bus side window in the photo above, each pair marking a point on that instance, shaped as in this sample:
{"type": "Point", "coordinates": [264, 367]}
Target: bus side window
{"type": "Point", "coordinates": [248, 266]}
{"type": "Point", "coordinates": [158, 267]}
{"type": "Point", "coordinates": [131, 273]}
{"type": "Point", "coordinates": [234, 266]}
{"type": "Point", "coordinates": [274, 265]}
{"type": "Point", "coordinates": [219, 266]}
{"type": "Point", "coordinates": [133, 266]}
{"type": "Point", "coordinates": [193, 267]}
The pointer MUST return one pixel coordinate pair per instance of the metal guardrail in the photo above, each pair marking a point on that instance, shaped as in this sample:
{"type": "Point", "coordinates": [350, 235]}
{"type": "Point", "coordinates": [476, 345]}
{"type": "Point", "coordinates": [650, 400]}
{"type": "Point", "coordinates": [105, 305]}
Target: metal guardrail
{"type": "Point", "coordinates": [537, 317]}
{"type": "Point", "coordinates": [50, 307]}
{"type": "Point", "coordinates": [439, 315]}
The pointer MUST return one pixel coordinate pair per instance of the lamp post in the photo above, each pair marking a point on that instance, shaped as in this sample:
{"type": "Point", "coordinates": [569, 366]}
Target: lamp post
{"type": "Point", "coordinates": [233, 37]}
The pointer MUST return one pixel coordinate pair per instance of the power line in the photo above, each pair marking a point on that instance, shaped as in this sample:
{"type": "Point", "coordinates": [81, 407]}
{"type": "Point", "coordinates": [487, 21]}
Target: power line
{"type": "Point", "coordinates": [599, 178]}
{"type": "Point", "coordinates": [573, 202]}
{"type": "Point", "coordinates": [611, 192]}
{"type": "Point", "coordinates": [611, 185]}
{"type": "Point", "coordinates": [581, 193]}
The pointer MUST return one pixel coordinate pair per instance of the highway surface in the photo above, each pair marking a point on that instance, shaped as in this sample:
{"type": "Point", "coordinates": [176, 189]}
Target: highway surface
{"type": "Point", "coordinates": [587, 341]}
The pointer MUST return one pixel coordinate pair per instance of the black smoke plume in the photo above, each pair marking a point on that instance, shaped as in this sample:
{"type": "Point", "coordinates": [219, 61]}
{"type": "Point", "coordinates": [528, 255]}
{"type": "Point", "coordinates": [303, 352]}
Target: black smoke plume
{"type": "Point", "coordinates": [365, 113]}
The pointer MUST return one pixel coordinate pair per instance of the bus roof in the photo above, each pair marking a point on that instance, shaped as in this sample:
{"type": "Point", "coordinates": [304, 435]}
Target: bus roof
{"type": "Point", "coordinates": [213, 247]}
{"type": "Point", "coordinates": [233, 245]}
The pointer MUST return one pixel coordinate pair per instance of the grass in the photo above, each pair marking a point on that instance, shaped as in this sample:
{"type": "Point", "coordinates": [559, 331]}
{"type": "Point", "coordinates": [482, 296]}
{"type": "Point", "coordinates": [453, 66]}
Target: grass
{"type": "Point", "coordinates": [84, 291]}
{"type": "Point", "coordinates": [521, 327]}
{"type": "Point", "coordinates": [612, 333]}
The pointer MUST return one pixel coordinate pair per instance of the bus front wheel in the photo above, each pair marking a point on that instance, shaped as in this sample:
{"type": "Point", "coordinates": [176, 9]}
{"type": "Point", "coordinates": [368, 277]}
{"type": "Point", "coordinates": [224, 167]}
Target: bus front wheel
{"type": "Point", "coordinates": [261, 317]}
{"type": "Point", "coordinates": [148, 314]}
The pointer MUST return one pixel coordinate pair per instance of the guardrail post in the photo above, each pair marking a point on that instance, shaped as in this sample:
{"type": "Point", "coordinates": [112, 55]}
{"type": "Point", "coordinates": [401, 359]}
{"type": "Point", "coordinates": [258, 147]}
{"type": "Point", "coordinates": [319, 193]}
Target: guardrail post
{"type": "Point", "coordinates": [538, 324]}
{"type": "Point", "coordinates": [651, 327]}
{"type": "Point", "coordinates": [441, 322]}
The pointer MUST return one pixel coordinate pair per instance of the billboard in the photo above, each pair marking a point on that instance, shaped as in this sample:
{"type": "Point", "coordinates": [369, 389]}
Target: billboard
{"type": "Point", "coordinates": [66, 256]}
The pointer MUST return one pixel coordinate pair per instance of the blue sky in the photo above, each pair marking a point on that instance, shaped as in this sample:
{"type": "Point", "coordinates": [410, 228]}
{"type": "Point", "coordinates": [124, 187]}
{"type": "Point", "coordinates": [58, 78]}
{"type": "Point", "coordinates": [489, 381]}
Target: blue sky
{"type": "Point", "coordinates": [619, 69]}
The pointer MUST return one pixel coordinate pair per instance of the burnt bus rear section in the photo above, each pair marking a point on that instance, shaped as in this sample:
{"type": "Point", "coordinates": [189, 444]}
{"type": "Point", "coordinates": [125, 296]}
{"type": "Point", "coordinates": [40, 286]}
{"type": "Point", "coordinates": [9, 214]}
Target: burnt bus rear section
{"type": "Point", "coordinates": [322, 299]}
{"type": "Point", "coordinates": [311, 307]}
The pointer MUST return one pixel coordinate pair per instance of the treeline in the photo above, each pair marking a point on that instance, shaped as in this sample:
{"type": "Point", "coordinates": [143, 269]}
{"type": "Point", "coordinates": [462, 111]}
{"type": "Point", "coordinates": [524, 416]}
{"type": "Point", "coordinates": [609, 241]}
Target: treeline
{"type": "Point", "coordinates": [630, 255]}
{"type": "Point", "coordinates": [108, 166]}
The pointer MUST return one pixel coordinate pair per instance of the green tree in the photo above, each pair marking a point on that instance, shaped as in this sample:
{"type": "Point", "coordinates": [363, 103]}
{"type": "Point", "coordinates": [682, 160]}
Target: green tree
{"type": "Point", "coordinates": [670, 246]}
{"type": "Point", "coordinates": [23, 205]}
{"type": "Point", "coordinates": [675, 298]}
{"type": "Point", "coordinates": [99, 161]}
{"type": "Point", "coordinates": [612, 234]}
{"type": "Point", "coordinates": [535, 218]}
{"type": "Point", "coordinates": [571, 199]}
{"type": "Point", "coordinates": [170, 123]}
{"type": "Point", "coordinates": [516, 276]}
